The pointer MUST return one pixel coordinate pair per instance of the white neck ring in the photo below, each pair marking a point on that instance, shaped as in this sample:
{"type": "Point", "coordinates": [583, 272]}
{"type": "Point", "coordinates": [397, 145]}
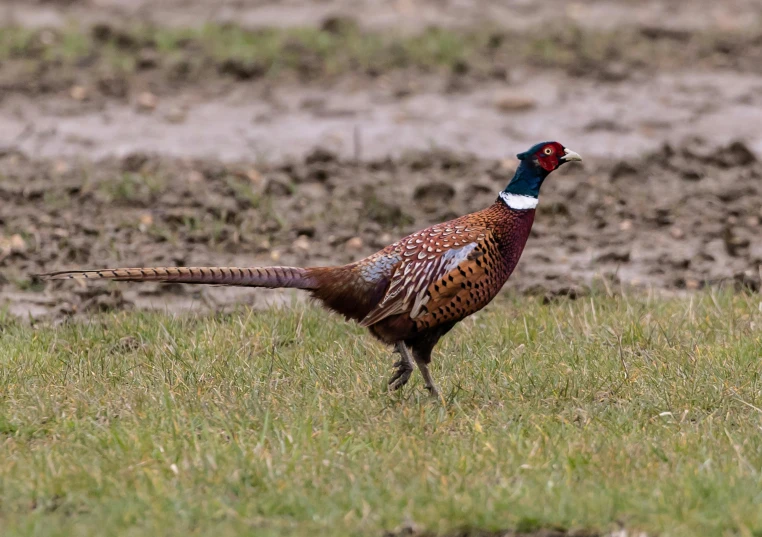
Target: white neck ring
{"type": "Point", "coordinates": [519, 202]}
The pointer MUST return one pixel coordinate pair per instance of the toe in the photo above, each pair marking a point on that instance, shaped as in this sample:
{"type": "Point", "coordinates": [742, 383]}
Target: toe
{"type": "Point", "coordinates": [393, 379]}
{"type": "Point", "coordinates": [399, 379]}
{"type": "Point", "coordinates": [433, 392]}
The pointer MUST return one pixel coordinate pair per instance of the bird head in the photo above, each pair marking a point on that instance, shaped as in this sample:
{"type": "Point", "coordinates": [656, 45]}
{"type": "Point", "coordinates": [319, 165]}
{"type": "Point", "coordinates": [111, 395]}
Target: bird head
{"type": "Point", "coordinates": [548, 156]}
{"type": "Point", "coordinates": [536, 164]}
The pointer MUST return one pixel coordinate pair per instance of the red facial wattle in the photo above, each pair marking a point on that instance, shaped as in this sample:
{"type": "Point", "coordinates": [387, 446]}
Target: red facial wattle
{"type": "Point", "coordinates": [549, 162]}
{"type": "Point", "coordinates": [548, 157]}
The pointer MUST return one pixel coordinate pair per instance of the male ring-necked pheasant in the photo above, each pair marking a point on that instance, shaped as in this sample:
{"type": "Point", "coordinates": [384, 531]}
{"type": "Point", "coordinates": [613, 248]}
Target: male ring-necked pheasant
{"type": "Point", "coordinates": [414, 291]}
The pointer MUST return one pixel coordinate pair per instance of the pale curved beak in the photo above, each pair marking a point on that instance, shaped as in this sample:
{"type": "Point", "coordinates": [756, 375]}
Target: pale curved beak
{"type": "Point", "coordinates": [570, 156]}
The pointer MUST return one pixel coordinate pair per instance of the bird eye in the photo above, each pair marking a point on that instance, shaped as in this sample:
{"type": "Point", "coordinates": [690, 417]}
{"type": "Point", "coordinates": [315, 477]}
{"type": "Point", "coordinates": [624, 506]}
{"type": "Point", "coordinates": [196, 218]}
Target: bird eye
{"type": "Point", "coordinates": [548, 151]}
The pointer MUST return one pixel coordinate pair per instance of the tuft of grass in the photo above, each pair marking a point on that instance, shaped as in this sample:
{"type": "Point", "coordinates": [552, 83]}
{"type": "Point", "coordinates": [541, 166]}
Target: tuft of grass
{"type": "Point", "coordinates": [578, 414]}
{"type": "Point", "coordinates": [130, 188]}
{"type": "Point", "coordinates": [182, 55]}
{"type": "Point", "coordinates": [244, 193]}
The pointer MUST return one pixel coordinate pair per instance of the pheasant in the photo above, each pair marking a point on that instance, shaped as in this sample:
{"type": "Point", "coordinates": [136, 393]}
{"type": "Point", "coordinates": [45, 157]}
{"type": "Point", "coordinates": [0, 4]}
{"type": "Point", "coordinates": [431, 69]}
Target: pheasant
{"type": "Point", "coordinates": [414, 291]}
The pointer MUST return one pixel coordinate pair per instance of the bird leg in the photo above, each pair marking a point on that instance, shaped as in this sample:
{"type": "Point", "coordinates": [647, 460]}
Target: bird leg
{"type": "Point", "coordinates": [403, 367]}
{"type": "Point", "coordinates": [424, 367]}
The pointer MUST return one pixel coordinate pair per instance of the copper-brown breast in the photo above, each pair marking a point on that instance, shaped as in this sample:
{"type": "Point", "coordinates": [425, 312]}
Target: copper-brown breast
{"type": "Point", "coordinates": [477, 280]}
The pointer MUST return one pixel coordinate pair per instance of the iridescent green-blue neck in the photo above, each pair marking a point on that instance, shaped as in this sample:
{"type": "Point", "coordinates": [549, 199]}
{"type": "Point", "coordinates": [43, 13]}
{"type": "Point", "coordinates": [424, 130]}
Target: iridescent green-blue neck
{"type": "Point", "coordinates": [528, 178]}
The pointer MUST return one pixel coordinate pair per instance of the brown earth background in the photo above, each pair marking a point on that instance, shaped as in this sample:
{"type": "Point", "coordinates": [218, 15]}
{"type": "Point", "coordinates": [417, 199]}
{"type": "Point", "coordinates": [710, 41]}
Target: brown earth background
{"type": "Point", "coordinates": [195, 158]}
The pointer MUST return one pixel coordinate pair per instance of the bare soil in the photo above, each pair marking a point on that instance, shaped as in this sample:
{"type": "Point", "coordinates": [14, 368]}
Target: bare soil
{"type": "Point", "coordinates": [679, 218]}
{"type": "Point", "coordinates": [494, 120]}
{"type": "Point", "coordinates": [228, 167]}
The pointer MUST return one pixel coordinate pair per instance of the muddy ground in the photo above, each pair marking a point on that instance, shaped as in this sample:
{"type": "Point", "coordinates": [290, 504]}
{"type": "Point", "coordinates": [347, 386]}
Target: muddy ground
{"type": "Point", "coordinates": [675, 219]}
{"type": "Point", "coordinates": [109, 157]}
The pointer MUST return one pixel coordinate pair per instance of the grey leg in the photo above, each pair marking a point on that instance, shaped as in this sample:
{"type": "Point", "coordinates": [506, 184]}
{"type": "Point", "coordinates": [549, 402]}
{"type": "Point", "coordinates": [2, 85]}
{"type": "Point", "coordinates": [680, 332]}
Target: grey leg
{"type": "Point", "coordinates": [430, 385]}
{"type": "Point", "coordinates": [403, 367]}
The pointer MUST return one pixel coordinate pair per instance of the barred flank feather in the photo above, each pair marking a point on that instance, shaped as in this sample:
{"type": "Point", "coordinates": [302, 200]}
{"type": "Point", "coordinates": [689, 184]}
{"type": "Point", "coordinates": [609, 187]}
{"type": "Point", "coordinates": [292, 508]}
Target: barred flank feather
{"type": "Point", "coordinates": [271, 277]}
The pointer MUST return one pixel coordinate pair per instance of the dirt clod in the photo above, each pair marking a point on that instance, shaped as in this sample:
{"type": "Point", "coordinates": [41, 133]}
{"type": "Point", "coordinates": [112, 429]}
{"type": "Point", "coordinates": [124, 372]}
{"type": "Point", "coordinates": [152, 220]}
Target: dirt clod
{"type": "Point", "coordinates": [508, 101]}
{"type": "Point", "coordinates": [433, 195]}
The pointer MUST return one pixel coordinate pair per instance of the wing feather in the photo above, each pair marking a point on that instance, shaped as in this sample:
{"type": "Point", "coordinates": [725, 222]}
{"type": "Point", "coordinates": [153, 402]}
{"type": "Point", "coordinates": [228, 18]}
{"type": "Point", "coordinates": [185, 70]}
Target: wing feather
{"type": "Point", "coordinates": [435, 253]}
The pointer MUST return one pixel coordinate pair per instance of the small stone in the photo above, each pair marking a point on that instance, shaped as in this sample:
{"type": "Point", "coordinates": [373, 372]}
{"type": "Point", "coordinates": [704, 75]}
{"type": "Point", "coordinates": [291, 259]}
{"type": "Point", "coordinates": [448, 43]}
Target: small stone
{"type": "Point", "coordinates": [509, 101]}
{"type": "Point", "coordinates": [752, 221]}
{"type": "Point", "coordinates": [355, 243]}
{"type": "Point", "coordinates": [11, 245]}
{"type": "Point", "coordinates": [195, 176]}
{"type": "Point", "coordinates": [275, 255]}
{"type": "Point", "coordinates": [385, 238]}
{"type": "Point", "coordinates": [677, 233]}
{"type": "Point", "coordinates": [147, 101]}
{"type": "Point", "coordinates": [17, 243]}
{"type": "Point", "coordinates": [146, 220]}
{"type": "Point", "coordinates": [254, 176]}
{"type": "Point", "coordinates": [78, 93]}
{"type": "Point", "coordinates": [692, 284]}
{"type": "Point", "coordinates": [625, 225]}
{"type": "Point", "coordinates": [302, 243]}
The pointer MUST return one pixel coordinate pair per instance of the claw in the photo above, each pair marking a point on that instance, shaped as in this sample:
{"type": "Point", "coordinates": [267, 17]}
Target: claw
{"type": "Point", "coordinates": [401, 375]}
{"type": "Point", "coordinates": [433, 392]}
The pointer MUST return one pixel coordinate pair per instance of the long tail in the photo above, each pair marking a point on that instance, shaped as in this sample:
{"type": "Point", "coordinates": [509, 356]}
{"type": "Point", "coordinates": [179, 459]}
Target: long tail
{"type": "Point", "coordinates": [272, 277]}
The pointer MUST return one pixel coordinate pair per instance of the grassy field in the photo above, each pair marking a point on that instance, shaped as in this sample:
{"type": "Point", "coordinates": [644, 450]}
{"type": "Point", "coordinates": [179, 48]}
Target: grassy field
{"type": "Point", "coordinates": [584, 415]}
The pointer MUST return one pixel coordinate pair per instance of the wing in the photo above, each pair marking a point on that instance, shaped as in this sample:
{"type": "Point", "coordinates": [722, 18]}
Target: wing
{"type": "Point", "coordinates": [440, 253]}
{"type": "Point", "coordinates": [466, 289]}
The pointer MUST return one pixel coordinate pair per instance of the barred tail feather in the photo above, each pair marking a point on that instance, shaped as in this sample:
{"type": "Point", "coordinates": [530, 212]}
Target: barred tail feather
{"type": "Point", "coordinates": [272, 277]}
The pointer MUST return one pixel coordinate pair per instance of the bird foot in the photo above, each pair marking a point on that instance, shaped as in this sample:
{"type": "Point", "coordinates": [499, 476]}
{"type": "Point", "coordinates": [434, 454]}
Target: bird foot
{"type": "Point", "coordinates": [433, 392]}
{"type": "Point", "coordinates": [401, 375]}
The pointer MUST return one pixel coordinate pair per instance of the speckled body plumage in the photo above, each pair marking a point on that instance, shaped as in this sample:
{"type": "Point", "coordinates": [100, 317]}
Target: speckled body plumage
{"type": "Point", "coordinates": [441, 274]}
{"type": "Point", "coordinates": [414, 291]}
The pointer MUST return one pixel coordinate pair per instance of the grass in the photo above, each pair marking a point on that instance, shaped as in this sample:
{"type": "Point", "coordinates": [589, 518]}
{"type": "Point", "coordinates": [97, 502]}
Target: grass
{"type": "Point", "coordinates": [578, 414]}
{"type": "Point", "coordinates": [54, 59]}
{"type": "Point", "coordinates": [133, 188]}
